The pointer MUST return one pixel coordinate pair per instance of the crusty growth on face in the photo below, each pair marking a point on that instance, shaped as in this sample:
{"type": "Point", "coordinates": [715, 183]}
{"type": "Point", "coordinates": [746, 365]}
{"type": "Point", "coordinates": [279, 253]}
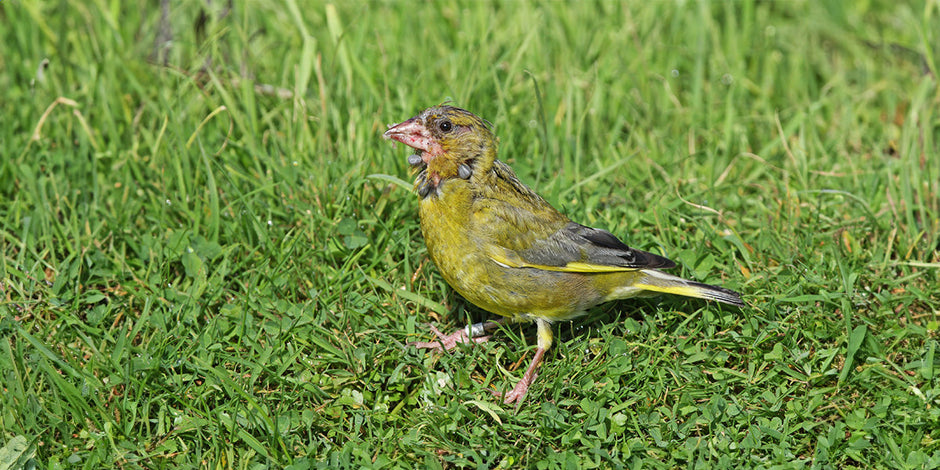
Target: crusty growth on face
{"type": "Point", "coordinates": [454, 144]}
{"type": "Point", "coordinates": [507, 250]}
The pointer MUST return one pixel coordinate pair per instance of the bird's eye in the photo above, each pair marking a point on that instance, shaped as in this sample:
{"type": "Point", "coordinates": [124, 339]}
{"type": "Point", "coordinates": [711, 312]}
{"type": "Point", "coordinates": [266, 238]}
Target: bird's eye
{"type": "Point", "coordinates": [445, 126]}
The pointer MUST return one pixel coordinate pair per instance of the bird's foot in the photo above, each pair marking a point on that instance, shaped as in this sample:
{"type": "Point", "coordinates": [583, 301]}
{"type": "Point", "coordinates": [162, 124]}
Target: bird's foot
{"type": "Point", "coordinates": [517, 394]}
{"type": "Point", "coordinates": [448, 342]}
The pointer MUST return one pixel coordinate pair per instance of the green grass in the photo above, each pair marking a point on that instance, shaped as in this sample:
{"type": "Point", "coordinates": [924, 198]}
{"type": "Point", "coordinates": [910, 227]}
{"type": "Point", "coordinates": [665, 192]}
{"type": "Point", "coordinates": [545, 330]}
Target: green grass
{"type": "Point", "coordinates": [200, 269]}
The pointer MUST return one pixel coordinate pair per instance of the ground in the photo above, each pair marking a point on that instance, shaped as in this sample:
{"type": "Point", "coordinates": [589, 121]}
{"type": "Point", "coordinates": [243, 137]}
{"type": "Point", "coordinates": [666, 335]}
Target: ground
{"type": "Point", "coordinates": [211, 258]}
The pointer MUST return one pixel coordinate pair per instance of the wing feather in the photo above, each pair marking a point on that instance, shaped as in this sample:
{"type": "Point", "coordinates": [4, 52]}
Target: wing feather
{"type": "Point", "coordinates": [576, 248]}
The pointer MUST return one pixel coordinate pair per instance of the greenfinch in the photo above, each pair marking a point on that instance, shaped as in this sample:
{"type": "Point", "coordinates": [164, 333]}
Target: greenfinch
{"type": "Point", "coordinates": [508, 251]}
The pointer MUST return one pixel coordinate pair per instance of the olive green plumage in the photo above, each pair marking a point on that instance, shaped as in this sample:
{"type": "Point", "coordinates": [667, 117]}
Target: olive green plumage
{"type": "Point", "coordinates": [507, 250]}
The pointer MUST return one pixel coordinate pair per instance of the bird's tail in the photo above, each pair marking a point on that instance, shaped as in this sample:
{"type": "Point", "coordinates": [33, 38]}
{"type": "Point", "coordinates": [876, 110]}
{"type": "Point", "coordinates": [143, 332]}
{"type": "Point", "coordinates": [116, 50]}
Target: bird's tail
{"type": "Point", "coordinates": [658, 281]}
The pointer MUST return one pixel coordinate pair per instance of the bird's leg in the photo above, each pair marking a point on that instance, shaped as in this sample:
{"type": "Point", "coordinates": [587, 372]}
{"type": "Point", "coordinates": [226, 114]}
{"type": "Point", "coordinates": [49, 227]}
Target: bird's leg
{"type": "Point", "coordinates": [475, 333]}
{"type": "Point", "coordinates": [517, 394]}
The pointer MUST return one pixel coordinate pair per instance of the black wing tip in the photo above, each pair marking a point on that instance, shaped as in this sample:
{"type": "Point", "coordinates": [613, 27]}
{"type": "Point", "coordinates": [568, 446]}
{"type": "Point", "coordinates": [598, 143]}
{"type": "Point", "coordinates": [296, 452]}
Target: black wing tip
{"type": "Point", "coordinates": [720, 294]}
{"type": "Point", "coordinates": [631, 257]}
{"type": "Point", "coordinates": [645, 259]}
{"type": "Point", "coordinates": [600, 237]}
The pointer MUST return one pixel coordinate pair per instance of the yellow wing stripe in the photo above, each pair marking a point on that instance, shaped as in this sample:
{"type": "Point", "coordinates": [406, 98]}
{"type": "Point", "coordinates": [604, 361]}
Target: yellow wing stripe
{"type": "Point", "coordinates": [514, 261]}
{"type": "Point", "coordinates": [577, 267]}
{"type": "Point", "coordinates": [687, 291]}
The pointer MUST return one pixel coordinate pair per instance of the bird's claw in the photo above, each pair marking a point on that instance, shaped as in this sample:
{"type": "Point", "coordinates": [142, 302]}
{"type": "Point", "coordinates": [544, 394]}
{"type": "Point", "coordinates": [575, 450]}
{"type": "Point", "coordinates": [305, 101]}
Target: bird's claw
{"type": "Point", "coordinates": [448, 342]}
{"type": "Point", "coordinates": [517, 394]}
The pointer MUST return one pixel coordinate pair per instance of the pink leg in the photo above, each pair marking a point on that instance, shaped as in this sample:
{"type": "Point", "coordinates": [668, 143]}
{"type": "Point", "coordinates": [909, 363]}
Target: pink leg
{"type": "Point", "coordinates": [448, 342]}
{"type": "Point", "coordinates": [517, 394]}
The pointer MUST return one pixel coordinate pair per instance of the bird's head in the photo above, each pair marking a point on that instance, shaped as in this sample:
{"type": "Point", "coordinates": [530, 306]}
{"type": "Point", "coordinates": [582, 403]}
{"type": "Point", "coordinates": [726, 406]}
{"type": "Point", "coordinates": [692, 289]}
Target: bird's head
{"type": "Point", "coordinates": [452, 143]}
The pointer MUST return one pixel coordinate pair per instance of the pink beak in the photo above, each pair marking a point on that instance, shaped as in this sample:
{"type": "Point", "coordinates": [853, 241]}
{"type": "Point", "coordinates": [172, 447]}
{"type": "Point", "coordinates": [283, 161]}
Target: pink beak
{"type": "Point", "coordinates": [411, 133]}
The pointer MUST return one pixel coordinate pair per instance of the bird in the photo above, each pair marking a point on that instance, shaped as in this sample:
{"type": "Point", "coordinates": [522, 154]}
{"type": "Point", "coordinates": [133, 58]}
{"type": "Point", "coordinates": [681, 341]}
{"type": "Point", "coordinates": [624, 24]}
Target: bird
{"type": "Point", "coordinates": [505, 249]}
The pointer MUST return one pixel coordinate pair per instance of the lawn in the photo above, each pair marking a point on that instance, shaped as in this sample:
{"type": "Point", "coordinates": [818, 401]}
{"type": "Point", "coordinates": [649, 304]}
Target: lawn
{"type": "Point", "coordinates": [211, 259]}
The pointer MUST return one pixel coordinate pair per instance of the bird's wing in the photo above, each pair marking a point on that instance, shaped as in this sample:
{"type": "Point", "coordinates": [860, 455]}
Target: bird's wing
{"type": "Point", "coordinates": [576, 248]}
{"type": "Point", "coordinates": [520, 229]}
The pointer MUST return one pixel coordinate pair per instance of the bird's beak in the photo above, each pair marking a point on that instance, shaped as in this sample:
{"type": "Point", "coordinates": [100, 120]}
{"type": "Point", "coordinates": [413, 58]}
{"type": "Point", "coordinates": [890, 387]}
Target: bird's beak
{"type": "Point", "coordinates": [411, 133]}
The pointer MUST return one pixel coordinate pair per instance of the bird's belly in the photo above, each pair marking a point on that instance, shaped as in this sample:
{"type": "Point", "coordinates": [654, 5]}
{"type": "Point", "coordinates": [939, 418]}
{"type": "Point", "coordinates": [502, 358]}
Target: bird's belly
{"type": "Point", "coordinates": [513, 292]}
